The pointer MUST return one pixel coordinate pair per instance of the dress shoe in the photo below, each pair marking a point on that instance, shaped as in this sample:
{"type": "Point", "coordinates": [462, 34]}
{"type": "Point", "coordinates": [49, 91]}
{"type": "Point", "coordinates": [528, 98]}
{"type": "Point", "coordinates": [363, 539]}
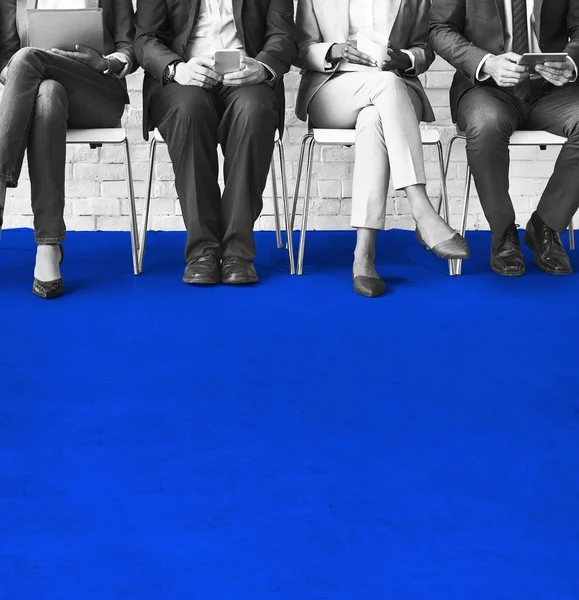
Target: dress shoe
{"type": "Point", "coordinates": [203, 270]}
{"type": "Point", "coordinates": [371, 287]}
{"type": "Point", "coordinates": [507, 257]}
{"type": "Point", "coordinates": [454, 248]}
{"type": "Point", "coordinates": [238, 271]}
{"type": "Point", "coordinates": [550, 256]}
{"type": "Point", "coordinates": [49, 289]}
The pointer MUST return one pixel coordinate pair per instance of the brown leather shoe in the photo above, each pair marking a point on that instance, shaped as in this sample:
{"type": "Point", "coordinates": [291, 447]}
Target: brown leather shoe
{"type": "Point", "coordinates": [203, 270]}
{"type": "Point", "coordinates": [550, 256]}
{"type": "Point", "coordinates": [238, 271]}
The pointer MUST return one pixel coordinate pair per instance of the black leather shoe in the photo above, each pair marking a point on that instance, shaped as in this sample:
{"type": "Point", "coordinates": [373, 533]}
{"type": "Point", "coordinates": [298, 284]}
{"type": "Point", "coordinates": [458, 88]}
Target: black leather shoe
{"type": "Point", "coordinates": [49, 289]}
{"type": "Point", "coordinates": [203, 270]}
{"type": "Point", "coordinates": [238, 271]}
{"type": "Point", "coordinates": [550, 256]}
{"type": "Point", "coordinates": [507, 258]}
{"type": "Point", "coordinates": [371, 287]}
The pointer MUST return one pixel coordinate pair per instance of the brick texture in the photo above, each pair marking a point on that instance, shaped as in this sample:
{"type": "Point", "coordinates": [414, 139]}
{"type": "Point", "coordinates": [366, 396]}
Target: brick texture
{"type": "Point", "coordinates": [96, 191]}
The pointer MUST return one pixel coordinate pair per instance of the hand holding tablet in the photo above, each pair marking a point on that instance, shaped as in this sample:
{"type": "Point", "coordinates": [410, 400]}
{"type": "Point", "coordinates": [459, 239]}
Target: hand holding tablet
{"type": "Point", "coordinates": [532, 59]}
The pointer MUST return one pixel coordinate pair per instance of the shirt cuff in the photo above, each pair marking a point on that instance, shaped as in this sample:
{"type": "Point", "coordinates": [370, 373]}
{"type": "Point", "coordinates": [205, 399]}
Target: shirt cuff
{"type": "Point", "coordinates": [271, 82]}
{"type": "Point", "coordinates": [574, 69]}
{"type": "Point", "coordinates": [123, 59]}
{"type": "Point", "coordinates": [412, 61]}
{"type": "Point", "coordinates": [481, 64]}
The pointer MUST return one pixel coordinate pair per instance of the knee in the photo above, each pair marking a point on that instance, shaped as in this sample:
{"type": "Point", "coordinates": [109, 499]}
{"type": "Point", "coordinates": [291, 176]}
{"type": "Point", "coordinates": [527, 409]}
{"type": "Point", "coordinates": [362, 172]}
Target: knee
{"type": "Point", "coordinates": [27, 57]}
{"type": "Point", "coordinates": [256, 114]}
{"type": "Point", "coordinates": [369, 119]}
{"type": "Point", "coordinates": [51, 99]}
{"type": "Point", "coordinates": [487, 125]}
{"type": "Point", "coordinates": [571, 127]}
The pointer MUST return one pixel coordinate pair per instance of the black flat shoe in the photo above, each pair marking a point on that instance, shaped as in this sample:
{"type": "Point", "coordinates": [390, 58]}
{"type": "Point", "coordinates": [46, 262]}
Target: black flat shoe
{"type": "Point", "coordinates": [371, 287]}
{"type": "Point", "coordinates": [238, 271]}
{"type": "Point", "coordinates": [203, 270]}
{"type": "Point", "coordinates": [49, 289]}
{"type": "Point", "coordinates": [507, 257]}
{"type": "Point", "coordinates": [550, 256]}
{"type": "Point", "coordinates": [454, 248]}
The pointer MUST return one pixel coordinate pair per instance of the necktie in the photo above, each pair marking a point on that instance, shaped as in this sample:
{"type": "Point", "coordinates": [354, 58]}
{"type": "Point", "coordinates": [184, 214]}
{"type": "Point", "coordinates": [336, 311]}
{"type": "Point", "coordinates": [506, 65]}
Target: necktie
{"type": "Point", "coordinates": [521, 43]}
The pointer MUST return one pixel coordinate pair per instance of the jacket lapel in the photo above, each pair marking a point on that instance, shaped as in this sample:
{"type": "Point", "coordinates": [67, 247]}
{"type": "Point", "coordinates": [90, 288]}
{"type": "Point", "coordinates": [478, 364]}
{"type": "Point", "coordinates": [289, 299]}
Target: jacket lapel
{"type": "Point", "coordinates": [501, 10]}
{"type": "Point", "coordinates": [237, 18]}
{"type": "Point", "coordinates": [343, 12]}
{"type": "Point", "coordinates": [537, 17]}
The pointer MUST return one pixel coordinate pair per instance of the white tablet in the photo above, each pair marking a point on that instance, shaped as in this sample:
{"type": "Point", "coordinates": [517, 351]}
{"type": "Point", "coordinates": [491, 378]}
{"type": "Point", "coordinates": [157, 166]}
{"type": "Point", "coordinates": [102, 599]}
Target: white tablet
{"type": "Point", "coordinates": [531, 59]}
{"type": "Point", "coordinates": [63, 29]}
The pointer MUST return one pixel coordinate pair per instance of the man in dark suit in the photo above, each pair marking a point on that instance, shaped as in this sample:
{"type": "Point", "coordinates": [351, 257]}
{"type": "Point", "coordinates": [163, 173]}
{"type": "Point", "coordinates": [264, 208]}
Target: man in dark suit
{"type": "Point", "coordinates": [491, 96]}
{"type": "Point", "coordinates": [195, 108]}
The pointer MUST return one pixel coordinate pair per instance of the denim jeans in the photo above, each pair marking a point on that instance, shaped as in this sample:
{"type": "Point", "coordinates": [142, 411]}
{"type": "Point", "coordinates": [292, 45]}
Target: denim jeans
{"type": "Point", "coordinates": [44, 95]}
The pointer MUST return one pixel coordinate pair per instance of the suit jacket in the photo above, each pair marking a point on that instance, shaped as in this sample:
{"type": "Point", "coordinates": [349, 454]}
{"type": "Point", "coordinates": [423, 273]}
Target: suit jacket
{"type": "Point", "coordinates": [464, 31]}
{"type": "Point", "coordinates": [266, 29]}
{"type": "Point", "coordinates": [118, 28]}
{"type": "Point", "coordinates": [322, 23]}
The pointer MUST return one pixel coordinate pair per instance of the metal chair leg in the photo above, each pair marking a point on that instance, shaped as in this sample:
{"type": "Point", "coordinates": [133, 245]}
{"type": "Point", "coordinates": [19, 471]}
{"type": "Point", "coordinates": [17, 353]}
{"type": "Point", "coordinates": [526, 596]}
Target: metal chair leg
{"type": "Point", "coordinates": [310, 159]}
{"type": "Point", "coordinates": [464, 217]}
{"type": "Point", "coordinates": [2, 204]}
{"type": "Point", "coordinates": [152, 152]}
{"type": "Point", "coordinates": [275, 202]}
{"type": "Point", "coordinates": [305, 141]}
{"type": "Point", "coordinates": [571, 236]}
{"type": "Point", "coordinates": [451, 263]}
{"type": "Point", "coordinates": [289, 236]}
{"type": "Point", "coordinates": [133, 209]}
{"type": "Point", "coordinates": [443, 195]}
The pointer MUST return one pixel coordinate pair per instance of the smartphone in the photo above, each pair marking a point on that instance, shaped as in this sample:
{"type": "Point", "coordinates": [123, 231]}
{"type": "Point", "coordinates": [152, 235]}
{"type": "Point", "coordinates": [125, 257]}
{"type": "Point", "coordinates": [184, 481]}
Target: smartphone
{"type": "Point", "coordinates": [227, 61]}
{"type": "Point", "coordinates": [531, 59]}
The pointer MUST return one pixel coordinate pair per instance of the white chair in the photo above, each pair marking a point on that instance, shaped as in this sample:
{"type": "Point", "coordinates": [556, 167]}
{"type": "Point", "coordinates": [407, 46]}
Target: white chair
{"type": "Point", "coordinates": [113, 136]}
{"type": "Point", "coordinates": [346, 137]}
{"type": "Point", "coordinates": [158, 139]}
{"type": "Point", "coordinates": [519, 138]}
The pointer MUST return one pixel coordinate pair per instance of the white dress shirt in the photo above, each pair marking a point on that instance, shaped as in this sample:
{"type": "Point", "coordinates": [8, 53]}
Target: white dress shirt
{"type": "Point", "coordinates": [372, 15]}
{"type": "Point", "coordinates": [532, 37]}
{"type": "Point", "coordinates": [81, 4]}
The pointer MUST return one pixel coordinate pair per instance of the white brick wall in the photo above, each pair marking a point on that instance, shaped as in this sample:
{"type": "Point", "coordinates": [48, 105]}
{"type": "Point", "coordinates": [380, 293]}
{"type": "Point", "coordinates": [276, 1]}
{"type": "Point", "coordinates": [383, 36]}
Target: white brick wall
{"type": "Point", "coordinates": [96, 192]}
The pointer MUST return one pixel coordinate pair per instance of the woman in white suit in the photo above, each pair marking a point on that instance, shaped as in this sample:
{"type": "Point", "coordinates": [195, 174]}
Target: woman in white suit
{"type": "Point", "coordinates": [342, 87]}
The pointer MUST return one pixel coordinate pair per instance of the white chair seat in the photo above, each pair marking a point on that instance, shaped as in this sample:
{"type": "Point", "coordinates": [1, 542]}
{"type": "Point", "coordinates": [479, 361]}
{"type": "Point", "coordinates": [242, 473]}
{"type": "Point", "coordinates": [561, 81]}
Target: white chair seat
{"type": "Point", "coordinates": [112, 135]}
{"type": "Point", "coordinates": [159, 138]}
{"type": "Point", "coordinates": [347, 137]}
{"type": "Point", "coordinates": [531, 137]}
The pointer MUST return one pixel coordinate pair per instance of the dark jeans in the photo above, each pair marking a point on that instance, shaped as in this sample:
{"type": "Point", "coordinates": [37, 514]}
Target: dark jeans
{"type": "Point", "coordinates": [243, 121]}
{"type": "Point", "coordinates": [489, 115]}
{"type": "Point", "coordinates": [44, 94]}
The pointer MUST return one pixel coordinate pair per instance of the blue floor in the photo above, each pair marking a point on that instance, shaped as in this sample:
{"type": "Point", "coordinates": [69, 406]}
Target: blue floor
{"type": "Point", "coordinates": [290, 440]}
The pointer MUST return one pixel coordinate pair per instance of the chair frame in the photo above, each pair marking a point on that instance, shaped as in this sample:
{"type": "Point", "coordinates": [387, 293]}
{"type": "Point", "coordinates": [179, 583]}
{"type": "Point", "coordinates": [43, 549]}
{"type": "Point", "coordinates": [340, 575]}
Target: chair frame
{"type": "Point", "coordinates": [308, 144]}
{"type": "Point", "coordinates": [549, 140]}
{"type": "Point", "coordinates": [156, 139]}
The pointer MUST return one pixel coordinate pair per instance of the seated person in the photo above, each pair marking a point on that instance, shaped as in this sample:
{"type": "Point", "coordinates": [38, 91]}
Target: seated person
{"type": "Point", "coordinates": [342, 87]}
{"type": "Point", "coordinates": [491, 97]}
{"type": "Point", "coordinates": [46, 92]}
{"type": "Point", "coordinates": [196, 108]}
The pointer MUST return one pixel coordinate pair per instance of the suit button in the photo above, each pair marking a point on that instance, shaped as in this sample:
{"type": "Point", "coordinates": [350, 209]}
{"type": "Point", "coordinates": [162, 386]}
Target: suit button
{"type": "Point", "coordinates": [502, 48]}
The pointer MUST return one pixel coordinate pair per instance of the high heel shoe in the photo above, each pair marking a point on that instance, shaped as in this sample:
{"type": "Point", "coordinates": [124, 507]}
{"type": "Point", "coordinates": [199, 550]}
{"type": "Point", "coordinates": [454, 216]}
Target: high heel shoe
{"type": "Point", "coordinates": [50, 289]}
{"type": "Point", "coordinates": [454, 248]}
{"type": "Point", "coordinates": [371, 287]}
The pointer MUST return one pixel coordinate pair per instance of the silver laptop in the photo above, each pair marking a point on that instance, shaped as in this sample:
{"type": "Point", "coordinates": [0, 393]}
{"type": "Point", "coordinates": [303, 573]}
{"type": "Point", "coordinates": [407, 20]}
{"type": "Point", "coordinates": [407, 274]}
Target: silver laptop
{"type": "Point", "coordinates": [63, 29]}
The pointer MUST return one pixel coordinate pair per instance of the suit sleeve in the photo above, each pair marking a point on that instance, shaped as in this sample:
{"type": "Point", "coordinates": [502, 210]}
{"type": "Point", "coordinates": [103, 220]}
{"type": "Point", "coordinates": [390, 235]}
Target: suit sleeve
{"type": "Point", "coordinates": [419, 46]}
{"type": "Point", "coordinates": [447, 39]}
{"type": "Point", "coordinates": [572, 47]}
{"type": "Point", "coordinates": [9, 38]}
{"type": "Point", "coordinates": [153, 37]}
{"type": "Point", "coordinates": [280, 49]}
{"type": "Point", "coordinates": [312, 50]}
{"type": "Point", "coordinates": [124, 33]}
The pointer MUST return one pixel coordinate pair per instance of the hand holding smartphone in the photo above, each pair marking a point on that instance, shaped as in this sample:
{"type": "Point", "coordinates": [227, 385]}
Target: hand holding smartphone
{"type": "Point", "coordinates": [227, 61]}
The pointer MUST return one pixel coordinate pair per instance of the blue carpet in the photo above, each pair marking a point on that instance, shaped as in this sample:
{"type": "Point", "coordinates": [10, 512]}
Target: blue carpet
{"type": "Point", "coordinates": [290, 440]}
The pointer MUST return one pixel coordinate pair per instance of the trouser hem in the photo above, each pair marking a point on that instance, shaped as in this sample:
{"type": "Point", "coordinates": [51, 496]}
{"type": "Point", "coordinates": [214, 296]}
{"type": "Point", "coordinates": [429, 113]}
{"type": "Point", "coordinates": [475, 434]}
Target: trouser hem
{"type": "Point", "coordinates": [49, 241]}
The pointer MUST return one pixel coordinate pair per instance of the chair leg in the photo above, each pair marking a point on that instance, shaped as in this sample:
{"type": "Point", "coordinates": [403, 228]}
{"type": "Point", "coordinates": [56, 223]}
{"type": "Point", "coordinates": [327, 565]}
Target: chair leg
{"type": "Point", "coordinates": [305, 141]}
{"type": "Point", "coordinates": [310, 159]}
{"type": "Point", "coordinates": [133, 209]}
{"type": "Point", "coordinates": [275, 202]}
{"type": "Point", "coordinates": [453, 139]}
{"type": "Point", "coordinates": [464, 217]}
{"type": "Point", "coordinates": [571, 236]}
{"type": "Point", "coordinates": [289, 237]}
{"type": "Point", "coordinates": [443, 195]}
{"type": "Point", "coordinates": [152, 151]}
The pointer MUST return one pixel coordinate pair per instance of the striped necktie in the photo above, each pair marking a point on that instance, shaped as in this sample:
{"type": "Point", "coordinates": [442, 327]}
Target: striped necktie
{"type": "Point", "coordinates": [521, 44]}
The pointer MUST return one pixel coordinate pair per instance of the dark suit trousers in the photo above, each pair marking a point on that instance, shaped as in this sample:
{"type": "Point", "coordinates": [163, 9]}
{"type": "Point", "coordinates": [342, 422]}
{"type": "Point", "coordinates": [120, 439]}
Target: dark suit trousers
{"type": "Point", "coordinates": [489, 115]}
{"type": "Point", "coordinates": [193, 121]}
{"type": "Point", "coordinates": [43, 96]}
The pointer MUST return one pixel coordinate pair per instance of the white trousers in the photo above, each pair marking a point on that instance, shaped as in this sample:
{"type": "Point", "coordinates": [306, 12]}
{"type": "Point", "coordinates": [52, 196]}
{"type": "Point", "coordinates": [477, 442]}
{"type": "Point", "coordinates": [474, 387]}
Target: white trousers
{"type": "Point", "coordinates": [385, 113]}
